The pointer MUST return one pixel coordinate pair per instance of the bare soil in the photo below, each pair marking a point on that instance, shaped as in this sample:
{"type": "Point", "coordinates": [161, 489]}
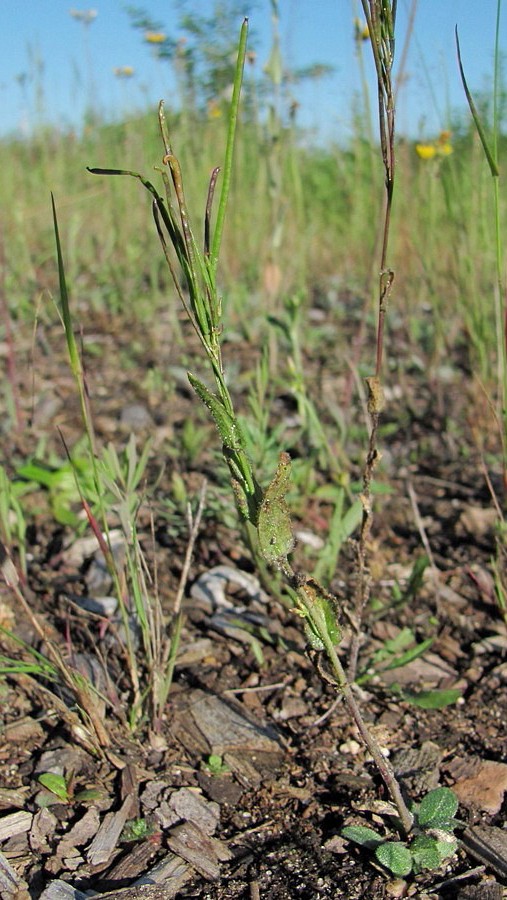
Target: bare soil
{"type": "Point", "coordinates": [266, 821]}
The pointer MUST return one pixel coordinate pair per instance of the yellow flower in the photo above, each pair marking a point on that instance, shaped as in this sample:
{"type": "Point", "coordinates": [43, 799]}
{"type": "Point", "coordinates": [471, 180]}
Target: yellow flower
{"type": "Point", "coordinates": [425, 151]}
{"type": "Point", "coordinates": [124, 71]}
{"type": "Point", "coordinates": [154, 37]}
{"type": "Point", "coordinates": [214, 111]}
{"type": "Point", "coordinates": [361, 31]}
{"type": "Point", "coordinates": [440, 147]}
{"type": "Point", "coordinates": [445, 149]}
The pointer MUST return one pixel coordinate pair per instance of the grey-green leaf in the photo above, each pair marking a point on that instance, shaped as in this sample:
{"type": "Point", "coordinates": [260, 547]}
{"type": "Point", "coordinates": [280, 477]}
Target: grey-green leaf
{"type": "Point", "coordinates": [362, 835]}
{"type": "Point", "coordinates": [395, 857]}
{"type": "Point", "coordinates": [425, 855]}
{"type": "Point", "coordinates": [437, 808]}
{"type": "Point", "coordinates": [228, 427]}
{"type": "Point", "coordinates": [276, 539]}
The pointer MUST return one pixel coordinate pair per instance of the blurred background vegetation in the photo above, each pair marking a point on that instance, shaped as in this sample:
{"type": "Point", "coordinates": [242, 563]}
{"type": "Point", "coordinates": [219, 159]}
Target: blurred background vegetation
{"type": "Point", "coordinates": [301, 221]}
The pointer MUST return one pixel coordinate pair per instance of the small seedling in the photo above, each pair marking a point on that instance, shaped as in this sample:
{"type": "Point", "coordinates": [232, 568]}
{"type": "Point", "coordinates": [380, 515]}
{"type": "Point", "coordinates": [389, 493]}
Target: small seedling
{"type": "Point", "coordinates": [61, 790]}
{"type": "Point", "coordinates": [431, 840]}
{"type": "Point", "coordinates": [57, 786]}
{"type": "Point", "coordinates": [136, 830]}
{"type": "Point", "coordinates": [215, 765]}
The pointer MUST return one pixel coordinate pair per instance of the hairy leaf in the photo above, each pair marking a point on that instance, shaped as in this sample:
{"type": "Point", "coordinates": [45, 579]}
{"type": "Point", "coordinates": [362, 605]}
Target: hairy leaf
{"type": "Point", "coordinates": [395, 856]}
{"type": "Point", "coordinates": [362, 835]}
{"type": "Point", "coordinates": [274, 528]}
{"type": "Point", "coordinates": [437, 808]}
{"type": "Point", "coordinates": [228, 427]}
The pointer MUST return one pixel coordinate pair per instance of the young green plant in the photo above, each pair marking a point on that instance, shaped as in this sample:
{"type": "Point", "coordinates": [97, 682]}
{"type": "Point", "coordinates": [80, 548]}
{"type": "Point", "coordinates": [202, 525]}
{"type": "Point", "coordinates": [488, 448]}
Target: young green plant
{"type": "Point", "coordinates": [431, 843]}
{"type": "Point", "coordinates": [265, 511]}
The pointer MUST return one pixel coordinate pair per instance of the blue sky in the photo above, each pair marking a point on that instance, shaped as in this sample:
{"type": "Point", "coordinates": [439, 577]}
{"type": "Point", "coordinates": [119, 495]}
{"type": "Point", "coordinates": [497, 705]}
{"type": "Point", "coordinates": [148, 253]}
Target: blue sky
{"type": "Point", "coordinates": [51, 66]}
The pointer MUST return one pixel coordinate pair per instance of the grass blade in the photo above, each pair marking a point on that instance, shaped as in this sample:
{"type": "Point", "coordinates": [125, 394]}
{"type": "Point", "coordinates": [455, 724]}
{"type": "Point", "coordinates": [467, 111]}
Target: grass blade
{"type": "Point", "coordinates": [227, 170]}
{"type": "Point", "coordinates": [476, 117]}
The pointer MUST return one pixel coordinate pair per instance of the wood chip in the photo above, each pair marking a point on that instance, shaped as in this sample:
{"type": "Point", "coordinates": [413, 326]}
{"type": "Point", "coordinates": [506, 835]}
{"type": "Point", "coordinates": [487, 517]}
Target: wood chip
{"type": "Point", "coordinates": [419, 766]}
{"type": "Point", "coordinates": [11, 884]}
{"type": "Point", "coordinates": [188, 804]}
{"type": "Point", "coordinates": [169, 872]}
{"type": "Point", "coordinates": [130, 789]}
{"type": "Point", "coordinates": [134, 863]}
{"type": "Point", "coordinates": [13, 797]}
{"type": "Point", "coordinates": [484, 789]}
{"type": "Point", "coordinates": [143, 891]}
{"type": "Point", "coordinates": [84, 830]}
{"type": "Point", "coordinates": [488, 845]}
{"type": "Point", "coordinates": [42, 831]}
{"type": "Point", "coordinates": [23, 732]}
{"type": "Point", "coordinates": [15, 823]}
{"type": "Point", "coordinates": [62, 890]}
{"type": "Point", "coordinates": [226, 727]}
{"type": "Point", "coordinates": [202, 852]}
{"type": "Point", "coordinates": [106, 839]}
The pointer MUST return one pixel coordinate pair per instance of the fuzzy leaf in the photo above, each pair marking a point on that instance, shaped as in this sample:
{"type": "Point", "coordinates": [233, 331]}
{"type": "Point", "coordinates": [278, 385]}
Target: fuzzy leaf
{"type": "Point", "coordinates": [276, 539]}
{"type": "Point", "coordinates": [362, 835]}
{"type": "Point", "coordinates": [447, 848]}
{"type": "Point", "coordinates": [228, 427]}
{"type": "Point", "coordinates": [437, 808]}
{"type": "Point", "coordinates": [395, 856]}
{"type": "Point", "coordinates": [425, 854]}
{"type": "Point", "coordinates": [321, 615]}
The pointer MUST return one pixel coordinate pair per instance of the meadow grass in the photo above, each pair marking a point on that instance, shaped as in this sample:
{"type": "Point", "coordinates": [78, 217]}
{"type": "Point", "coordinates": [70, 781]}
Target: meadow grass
{"type": "Point", "coordinates": [442, 230]}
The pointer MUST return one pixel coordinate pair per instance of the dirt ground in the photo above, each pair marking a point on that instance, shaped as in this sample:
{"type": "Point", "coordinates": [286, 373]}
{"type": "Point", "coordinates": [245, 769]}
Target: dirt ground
{"type": "Point", "coordinates": [264, 821]}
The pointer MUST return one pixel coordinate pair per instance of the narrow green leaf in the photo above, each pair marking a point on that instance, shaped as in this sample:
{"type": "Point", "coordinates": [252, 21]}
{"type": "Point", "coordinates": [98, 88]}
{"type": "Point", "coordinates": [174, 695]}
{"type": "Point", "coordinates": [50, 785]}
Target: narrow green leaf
{"type": "Point", "coordinates": [493, 166]}
{"type": "Point", "coordinates": [228, 427]}
{"type": "Point", "coordinates": [75, 359]}
{"type": "Point", "coordinates": [273, 67]}
{"type": "Point", "coordinates": [229, 152]}
{"type": "Point", "coordinates": [396, 644]}
{"type": "Point", "coordinates": [88, 795]}
{"type": "Point", "coordinates": [144, 181]}
{"type": "Point", "coordinates": [432, 699]}
{"type": "Point", "coordinates": [410, 655]}
{"type": "Point", "coordinates": [417, 577]}
{"type": "Point", "coordinates": [40, 473]}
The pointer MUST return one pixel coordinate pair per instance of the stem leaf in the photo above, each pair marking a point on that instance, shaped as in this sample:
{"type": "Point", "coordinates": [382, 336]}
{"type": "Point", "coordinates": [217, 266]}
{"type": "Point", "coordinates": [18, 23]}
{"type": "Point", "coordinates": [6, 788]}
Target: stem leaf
{"type": "Point", "coordinates": [481, 131]}
{"type": "Point", "coordinates": [274, 528]}
{"type": "Point", "coordinates": [227, 425]}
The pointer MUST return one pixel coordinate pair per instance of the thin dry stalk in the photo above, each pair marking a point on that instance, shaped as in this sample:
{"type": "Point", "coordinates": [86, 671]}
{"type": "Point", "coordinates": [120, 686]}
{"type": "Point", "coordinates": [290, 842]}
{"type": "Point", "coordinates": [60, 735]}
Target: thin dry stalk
{"type": "Point", "coordinates": [380, 17]}
{"type": "Point", "coordinates": [169, 647]}
{"type": "Point", "coordinates": [424, 538]}
{"type": "Point", "coordinates": [193, 530]}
